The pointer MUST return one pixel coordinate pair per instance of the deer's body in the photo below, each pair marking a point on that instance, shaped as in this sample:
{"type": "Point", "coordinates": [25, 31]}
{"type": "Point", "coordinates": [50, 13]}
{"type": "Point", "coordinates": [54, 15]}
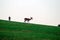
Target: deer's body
{"type": "Point", "coordinates": [27, 19]}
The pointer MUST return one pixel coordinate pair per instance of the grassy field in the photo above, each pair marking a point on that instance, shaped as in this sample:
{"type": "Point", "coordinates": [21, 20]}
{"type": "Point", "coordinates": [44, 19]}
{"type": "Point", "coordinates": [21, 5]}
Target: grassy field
{"type": "Point", "coordinates": [10, 30]}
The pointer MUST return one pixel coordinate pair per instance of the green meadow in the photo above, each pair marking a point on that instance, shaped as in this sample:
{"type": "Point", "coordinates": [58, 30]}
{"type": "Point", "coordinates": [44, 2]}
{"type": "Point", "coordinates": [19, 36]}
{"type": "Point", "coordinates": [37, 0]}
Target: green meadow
{"type": "Point", "coordinates": [11, 30]}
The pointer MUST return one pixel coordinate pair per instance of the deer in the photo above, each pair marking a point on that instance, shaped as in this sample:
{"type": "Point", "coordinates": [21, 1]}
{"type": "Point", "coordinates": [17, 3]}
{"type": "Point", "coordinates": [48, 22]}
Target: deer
{"type": "Point", "coordinates": [27, 19]}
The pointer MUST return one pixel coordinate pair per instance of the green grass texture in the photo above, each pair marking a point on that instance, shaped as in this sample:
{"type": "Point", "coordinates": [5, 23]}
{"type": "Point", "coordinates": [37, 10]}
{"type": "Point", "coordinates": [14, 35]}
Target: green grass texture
{"type": "Point", "coordinates": [11, 30]}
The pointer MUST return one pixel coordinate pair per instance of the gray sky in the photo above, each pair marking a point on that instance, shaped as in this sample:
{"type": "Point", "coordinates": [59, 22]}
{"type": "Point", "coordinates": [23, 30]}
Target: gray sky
{"type": "Point", "coordinates": [42, 11]}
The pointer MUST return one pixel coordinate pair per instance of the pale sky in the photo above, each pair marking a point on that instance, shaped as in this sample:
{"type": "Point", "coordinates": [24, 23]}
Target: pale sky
{"type": "Point", "coordinates": [43, 11]}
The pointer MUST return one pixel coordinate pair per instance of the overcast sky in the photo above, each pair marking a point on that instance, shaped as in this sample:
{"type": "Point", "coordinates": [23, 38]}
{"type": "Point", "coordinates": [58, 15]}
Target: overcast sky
{"type": "Point", "coordinates": [42, 11]}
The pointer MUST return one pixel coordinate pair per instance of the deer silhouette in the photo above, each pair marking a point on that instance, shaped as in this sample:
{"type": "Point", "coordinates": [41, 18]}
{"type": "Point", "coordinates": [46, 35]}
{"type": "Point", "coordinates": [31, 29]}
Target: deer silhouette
{"type": "Point", "coordinates": [27, 19]}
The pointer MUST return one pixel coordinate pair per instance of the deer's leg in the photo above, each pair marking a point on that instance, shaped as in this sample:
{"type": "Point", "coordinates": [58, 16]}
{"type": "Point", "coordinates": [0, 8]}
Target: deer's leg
{"type": "Point", "coordinates": [28, 21]}
{"type": "Point", "coordinates": [24, 20]}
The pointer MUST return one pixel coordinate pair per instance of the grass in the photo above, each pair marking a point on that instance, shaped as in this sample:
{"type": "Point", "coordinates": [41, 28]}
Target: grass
{"type": "Point", "coordinates": [10, 30]}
